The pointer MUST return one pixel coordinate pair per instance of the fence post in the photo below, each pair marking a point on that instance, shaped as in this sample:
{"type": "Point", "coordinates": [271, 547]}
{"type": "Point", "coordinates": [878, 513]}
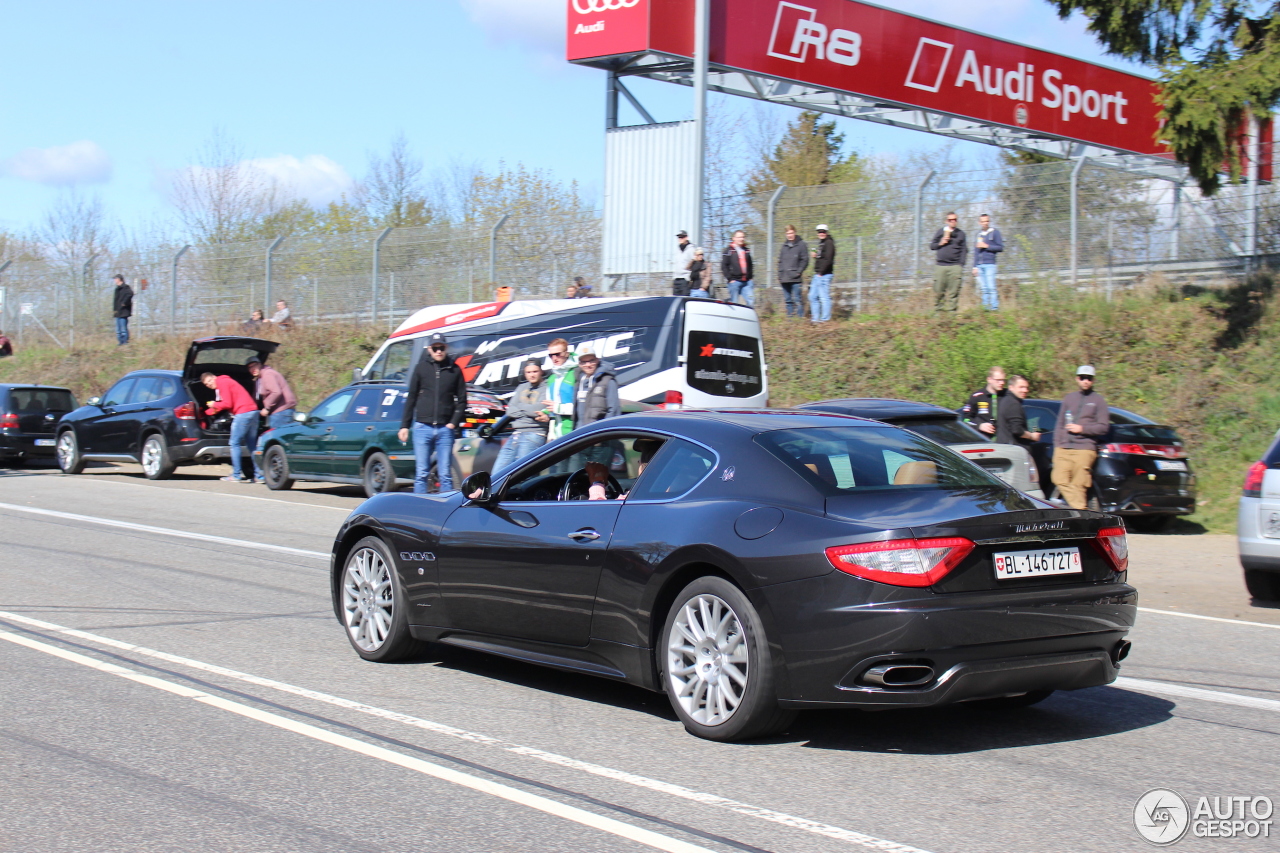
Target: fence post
{"type": "Point", "coordinates": [4, 301]}
{"type": "Point", "coordinates": [769, 255]}
{"type": "Point", "coordinates": [859, 273]}
{"type": "Point", "coordinates": [1252, 225]}
{"type": "Point", "coordinates": [493, 249]}
{"type": "Point", "coordinates": [84, 285]}
{"type": "Point", "coordinates": [377, 256]}
{"type": "Point", "coordinates": [1075, 243]}
{"type": "Point", "coordinates": [919, 237]}
{"type": "Point", "coordinates": [266, 293]}
{"type": "Point", "coordinates": [173, 290]}
{"type": "Point", "coordinates": [1175, 249]}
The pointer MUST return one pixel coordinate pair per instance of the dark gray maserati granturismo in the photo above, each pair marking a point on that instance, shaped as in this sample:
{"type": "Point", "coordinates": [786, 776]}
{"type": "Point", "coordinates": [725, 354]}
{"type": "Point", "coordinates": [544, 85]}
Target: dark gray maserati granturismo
{"type": "Point", "coordinates": [750, 564]}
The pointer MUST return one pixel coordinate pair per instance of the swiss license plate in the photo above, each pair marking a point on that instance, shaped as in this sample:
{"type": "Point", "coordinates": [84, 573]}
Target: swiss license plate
{"type": "Point", "coordinates": [1031, 564]}
{"type": "Point", "coordinates": [45, 442]}
{"type": "Point", "coordinates": [1169, 465]}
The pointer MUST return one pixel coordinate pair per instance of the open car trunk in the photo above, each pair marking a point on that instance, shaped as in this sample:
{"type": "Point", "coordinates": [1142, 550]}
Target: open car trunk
{"type": "Point", "coordinates": [222, 355]}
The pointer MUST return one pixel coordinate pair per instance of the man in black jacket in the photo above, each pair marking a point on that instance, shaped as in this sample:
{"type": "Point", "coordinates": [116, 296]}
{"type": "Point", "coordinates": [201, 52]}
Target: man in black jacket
{"type": "Point", "coordinates": [436, 404]}
{"type": "Point", "coordinates": [122, 309]}
{"type": "Point", "coordinates": [982, 409]}
{"type": "Point", "coordinates": [824, 267]}
{"type": "Point", "coordinates": [737, 267]}
{"type": "Point", "coordinates": [793, 260]}
{"type": "Point", "coordinates": [949, 248]}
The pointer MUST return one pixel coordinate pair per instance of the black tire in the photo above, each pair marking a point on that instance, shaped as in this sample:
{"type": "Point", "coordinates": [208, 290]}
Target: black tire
{"type": "Point", "coordinates": [1008, 703]}
{"type": "Point", "coordinates": [156, 464]}
{"type": "Point", "coordinates": [373, 608]}
{"type": "Point", "coordinates": [68, 452]}
{"type": "Point", "coordinates": [379, 475]}
{"type": "Point", "coordinates": [275, 469]}
{"type": "Point", "coordinates": [1262, 584]}
{"type": "Point", "coordinates": [757, 713]}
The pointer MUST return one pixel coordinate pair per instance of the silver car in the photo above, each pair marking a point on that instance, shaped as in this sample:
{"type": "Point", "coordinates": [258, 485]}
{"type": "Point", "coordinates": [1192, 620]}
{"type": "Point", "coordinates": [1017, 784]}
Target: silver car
{"type": "Point", "coordinates": [1258, 526]}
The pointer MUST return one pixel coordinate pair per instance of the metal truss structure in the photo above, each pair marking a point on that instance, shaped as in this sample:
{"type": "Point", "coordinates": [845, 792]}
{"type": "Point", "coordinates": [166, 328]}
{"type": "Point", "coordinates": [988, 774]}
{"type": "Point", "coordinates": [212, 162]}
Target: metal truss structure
{"type": "Point", "coordinates": [777, 90]}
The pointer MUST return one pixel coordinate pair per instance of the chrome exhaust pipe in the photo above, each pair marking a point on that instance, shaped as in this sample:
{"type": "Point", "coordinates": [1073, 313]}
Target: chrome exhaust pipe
{"type": "Point", "coordinates": [1121, 651]}
{"type": "Point", "coordinates": [898, 675]}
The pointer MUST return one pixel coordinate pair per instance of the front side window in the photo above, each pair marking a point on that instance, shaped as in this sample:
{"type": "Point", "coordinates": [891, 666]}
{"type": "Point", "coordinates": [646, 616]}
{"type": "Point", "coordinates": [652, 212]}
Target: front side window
{"type": "Point", "coordinates": [614, 461]}
{"type": "Point", "coordinates": [844, 460]}
{"type": "Point", "coordinates": [333, 408]}
{"type": "Point", "coordinates": [119, 393]}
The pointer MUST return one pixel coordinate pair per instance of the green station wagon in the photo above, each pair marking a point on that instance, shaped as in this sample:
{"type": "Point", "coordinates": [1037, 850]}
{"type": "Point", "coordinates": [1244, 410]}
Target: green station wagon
{"type": "Point", "coordinates": [351, 438]}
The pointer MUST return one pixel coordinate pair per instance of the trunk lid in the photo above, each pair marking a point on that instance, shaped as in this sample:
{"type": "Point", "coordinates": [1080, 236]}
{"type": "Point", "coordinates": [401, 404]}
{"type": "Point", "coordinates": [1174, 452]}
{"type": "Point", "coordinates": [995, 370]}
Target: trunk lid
{"type": "Point", "coordinates": [224, 354]}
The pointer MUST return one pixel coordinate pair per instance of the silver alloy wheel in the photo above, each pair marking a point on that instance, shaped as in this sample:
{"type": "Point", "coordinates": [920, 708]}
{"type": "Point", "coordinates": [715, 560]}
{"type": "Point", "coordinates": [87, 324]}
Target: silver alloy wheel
{"type": "Point", "coordinates": [368, 600]}
{"type": "Point", "coordinates": [152, 454]}
{"type": "Point", "coordinates": [707, 660]}
{"type": "Point", "coordinates": [66, 450]}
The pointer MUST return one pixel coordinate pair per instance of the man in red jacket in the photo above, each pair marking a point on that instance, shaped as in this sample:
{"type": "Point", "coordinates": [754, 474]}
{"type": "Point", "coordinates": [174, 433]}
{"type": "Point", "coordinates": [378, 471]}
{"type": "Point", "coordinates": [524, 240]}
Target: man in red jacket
{"type": "Point", "coordinates": [232, 396]}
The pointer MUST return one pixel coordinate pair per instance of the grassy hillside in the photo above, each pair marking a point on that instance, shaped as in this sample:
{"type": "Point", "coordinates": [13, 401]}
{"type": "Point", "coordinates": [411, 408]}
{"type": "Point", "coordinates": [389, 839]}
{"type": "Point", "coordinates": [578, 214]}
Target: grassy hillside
{"type": "Point", "coordinates": [1202, 361]}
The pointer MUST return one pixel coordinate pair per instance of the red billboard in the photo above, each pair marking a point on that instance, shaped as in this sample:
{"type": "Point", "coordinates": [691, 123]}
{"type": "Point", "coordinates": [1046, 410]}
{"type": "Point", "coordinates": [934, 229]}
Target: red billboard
{"type": "Point", "coordinates": [887, 56]}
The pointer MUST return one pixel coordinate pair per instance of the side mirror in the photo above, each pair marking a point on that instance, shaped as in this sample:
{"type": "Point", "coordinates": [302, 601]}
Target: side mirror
{"type": "Point", "coordinates": [93, 401]}
{"type": "Point", "coordinates": [300, 417]}
{"type": "Point", "coordinates": [356, 374]}
{"type": "Point", "coordinates": [477, 487]}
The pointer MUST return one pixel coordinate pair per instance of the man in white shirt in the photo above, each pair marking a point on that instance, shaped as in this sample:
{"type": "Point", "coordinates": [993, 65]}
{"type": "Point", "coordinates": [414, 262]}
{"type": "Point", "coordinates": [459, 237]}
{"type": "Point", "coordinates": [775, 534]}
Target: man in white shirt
{"type": "Point", "coordinates": [684, 257]}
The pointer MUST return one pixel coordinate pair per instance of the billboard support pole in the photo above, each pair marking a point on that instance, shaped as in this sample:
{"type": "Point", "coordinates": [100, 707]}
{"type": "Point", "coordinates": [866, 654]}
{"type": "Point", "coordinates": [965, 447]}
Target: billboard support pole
{"type": "Point", "coordinates": [173, 290]}
{"type": "Point", "coordinates": [915, 254]}
{"type": "Point", "coordinates": [611, 100]}
{"type": "Point", "coordinates": [701, 45]}
{"type": "Point", "coordinates": [377, 262]}
{"type": "Point", "coordinates": [771, 255]}
{"type": "Point", "coordinates": [1075, 219]}
{"type": "Point", "coordinates": [493, 249]}
{"type": "Point", "coordinates": [266, 296]}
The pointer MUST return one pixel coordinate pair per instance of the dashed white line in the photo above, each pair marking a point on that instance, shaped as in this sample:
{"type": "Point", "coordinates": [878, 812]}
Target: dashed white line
{"type": "Point", "coordinates": [813, 827]}
{"type": "Point", "coordinates": [164, 531]}
{"type": "Point", "coordinates": [1208, 618]}
{"type": "Point", "coordinates": [1164, 688]}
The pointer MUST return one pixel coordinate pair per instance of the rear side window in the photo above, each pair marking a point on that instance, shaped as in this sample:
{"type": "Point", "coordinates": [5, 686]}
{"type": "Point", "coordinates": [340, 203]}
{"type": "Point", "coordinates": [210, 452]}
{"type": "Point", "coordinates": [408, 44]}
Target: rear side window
{"type": "Point", "coordinates": [391, 404]}
{"type": "Point", "coordinates": [394, 363]}
{"type": "Point", "coordinates": [679, 468]}
{"type": "Point", "coordinates": [143, 390]}
{"type": "Point", "coordinates": [1040, 419]}
{"type": "Point", "coordinates": [843, 460]}
{"type": "Point", "coordinates": [378, 405]}
{"type": "Point", "coordinates": [30, 400]}
{"type": "Point", "coordinates": [945, 431]}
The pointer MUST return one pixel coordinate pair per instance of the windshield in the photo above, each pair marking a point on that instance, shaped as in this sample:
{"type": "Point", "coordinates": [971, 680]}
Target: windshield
{"type": "Point", "coordinates": [945, 430]}
{"type": "Point", "coordinates": [847, 460]}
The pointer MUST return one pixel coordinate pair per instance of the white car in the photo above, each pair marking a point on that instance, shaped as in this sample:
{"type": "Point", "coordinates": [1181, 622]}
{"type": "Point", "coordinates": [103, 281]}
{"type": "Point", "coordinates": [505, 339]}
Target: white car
{"type": "Point", "coordinates": [1258, 526]}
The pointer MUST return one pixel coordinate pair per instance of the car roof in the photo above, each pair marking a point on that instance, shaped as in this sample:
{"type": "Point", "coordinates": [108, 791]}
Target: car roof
{"type": "Point", "coordinates": [8, 386]}
{"type": "Point", "coordinates": [879, 408]}
{"type": "Point", "coordinates": [1133, 416]}
{"type": "Point", "coordinates": [753, 420]}
{"type": "Point", "coordinates": [152, 371]}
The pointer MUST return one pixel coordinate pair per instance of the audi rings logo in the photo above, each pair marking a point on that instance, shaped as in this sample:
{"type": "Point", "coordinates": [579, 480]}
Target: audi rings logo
{"type": "Point", "coordinates": [587, 7]}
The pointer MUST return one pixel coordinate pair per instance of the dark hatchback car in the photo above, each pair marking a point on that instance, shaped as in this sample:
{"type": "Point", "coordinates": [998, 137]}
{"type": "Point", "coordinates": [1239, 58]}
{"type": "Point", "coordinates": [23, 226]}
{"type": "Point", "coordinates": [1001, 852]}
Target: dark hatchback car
{"type": "Point", "coordinates": [749, 565]}
{"type": "Point", "coordinates": [28, 418]}
{"type": "Point", "coordinates": [156, 417]}
{"type": "Point", "coordinates": [1142, 471]}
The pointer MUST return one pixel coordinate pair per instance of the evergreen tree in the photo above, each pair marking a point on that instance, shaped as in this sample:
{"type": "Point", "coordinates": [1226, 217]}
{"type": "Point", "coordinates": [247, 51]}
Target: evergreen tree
{"type": "Point", "coordinates": [1218, 64]}
{"type": "Point", "coordinates": [808, 155]}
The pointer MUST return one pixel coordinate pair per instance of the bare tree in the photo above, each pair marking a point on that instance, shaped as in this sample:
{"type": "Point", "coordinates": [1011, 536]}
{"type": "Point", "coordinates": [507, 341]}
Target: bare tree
{"type": "Point", "coordinates": [394, 192]}
{"type": "Point", "coordinates": [221, 195]}
{"type": "Point", "coordinates": [74, 229]}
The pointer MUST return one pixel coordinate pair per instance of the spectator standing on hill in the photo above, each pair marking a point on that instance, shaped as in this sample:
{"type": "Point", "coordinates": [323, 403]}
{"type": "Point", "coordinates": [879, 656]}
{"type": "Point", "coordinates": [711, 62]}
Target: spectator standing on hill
{"type": "Point", "coordinates": [122, 309]}
{"type": "Point", "coordinates": [700, 275]}
{"type": "Point", "coordinates": [1083, 418]}
{"type": "Point", "coordinates": [983, 407]}
{"type": "Point", "coordinates": [793, 260]}
{"type": "Point", "coordinates": [560, 387]}
{"type": "Point", "coordinates": [949, 249]}
{"type": "Point", "coordinates": [988, 244]}
{"type": "Point", "coordinates": [529, 415]}
{"type": "Point", "coordinates": [436, 404]}
{"type": "Point", "coordinates": [231, 396]}
{"type": "Point", "coordinates": [680, 276]}
{"type": "Point", "coordinates": [6, 346]}
{"type": "Point", "coordinates": [274, 394]}
{"type": "Point", "coordinates": [596, 394]}
{"type": "Point", "coordinates": [737, 267]}
{"type": "Point", "coordinates": [824, 268]}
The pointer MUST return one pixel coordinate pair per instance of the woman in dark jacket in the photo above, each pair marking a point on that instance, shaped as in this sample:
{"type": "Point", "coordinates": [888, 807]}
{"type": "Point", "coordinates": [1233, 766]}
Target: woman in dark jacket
{"type": "Point", "coordinates": [738, 268]}
{"type": "Point", "coordinates": [528, 410]}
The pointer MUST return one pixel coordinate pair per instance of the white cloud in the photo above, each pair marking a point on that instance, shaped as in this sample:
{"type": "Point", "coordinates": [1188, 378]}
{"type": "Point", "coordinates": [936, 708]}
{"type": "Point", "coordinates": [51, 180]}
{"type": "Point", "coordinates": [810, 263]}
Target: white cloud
{"type": "Point", "coordinates": [81, 162]}
{"type": "Point", "coordinates": [538, 24]}
{"type": "Point", "coordinates": [314, 177]}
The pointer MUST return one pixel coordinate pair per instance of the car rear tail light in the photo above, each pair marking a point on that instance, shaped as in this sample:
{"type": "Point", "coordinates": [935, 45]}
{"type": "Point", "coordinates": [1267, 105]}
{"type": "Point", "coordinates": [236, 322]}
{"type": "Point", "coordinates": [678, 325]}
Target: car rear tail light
{"type": "Point", "coordinates": [1168, 451]}
{"type": "Point", "coordinates": [901, 562]}
{"type": "Point", "coordinates": [8, 421]}
{"type": "Point", "coordinates": [1253, 480]}
{"type": "Point", "coordinates": [185, 412]}
{"type": "Point", "coordinates": [1115, 545]}
{"type": "Point", "coordinates": [673, 400]}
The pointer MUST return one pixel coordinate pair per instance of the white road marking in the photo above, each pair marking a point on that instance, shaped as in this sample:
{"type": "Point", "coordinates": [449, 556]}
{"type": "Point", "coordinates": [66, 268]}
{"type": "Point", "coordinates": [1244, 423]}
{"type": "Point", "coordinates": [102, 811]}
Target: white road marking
{"type": "Point", "coordinates": [637, 834]}
{"type": "Point", "coordinates": [165, 531]}
{"type": "Point", "coordinates": [1209, 618]}
{"type": "Point", "coordinates": [1164, 688]}
{"type": "Point", "coordinates": [814, 827]}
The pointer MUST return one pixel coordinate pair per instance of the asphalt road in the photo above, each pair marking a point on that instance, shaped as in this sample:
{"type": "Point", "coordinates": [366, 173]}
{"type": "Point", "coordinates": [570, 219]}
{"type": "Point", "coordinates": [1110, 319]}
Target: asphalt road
{"type": "Point", "coordinates": [173, 679]}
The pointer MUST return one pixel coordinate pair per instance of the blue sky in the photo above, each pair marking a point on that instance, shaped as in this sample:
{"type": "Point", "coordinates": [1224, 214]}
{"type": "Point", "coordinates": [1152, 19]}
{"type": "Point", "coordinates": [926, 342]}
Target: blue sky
{"type": "Point", "coordinates": [110, 97]}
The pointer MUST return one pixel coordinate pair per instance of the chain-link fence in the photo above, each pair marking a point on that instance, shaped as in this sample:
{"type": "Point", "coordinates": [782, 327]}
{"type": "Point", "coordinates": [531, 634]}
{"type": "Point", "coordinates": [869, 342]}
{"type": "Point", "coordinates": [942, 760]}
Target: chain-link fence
{"type": "Point", "coordinates": [1065, 226]}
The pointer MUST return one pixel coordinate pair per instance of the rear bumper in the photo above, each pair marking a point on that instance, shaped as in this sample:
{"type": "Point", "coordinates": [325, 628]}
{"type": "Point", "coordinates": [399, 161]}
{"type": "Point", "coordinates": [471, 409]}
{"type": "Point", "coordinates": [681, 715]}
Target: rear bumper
{"type": "Point", "coordinates": [24, 444]}
{"type": "Point", "coordinates": [1256, 551]}
{"type": "Point", "coordinates": [203, 452]}
{"type": "Point", "coordinates": [977, 644]}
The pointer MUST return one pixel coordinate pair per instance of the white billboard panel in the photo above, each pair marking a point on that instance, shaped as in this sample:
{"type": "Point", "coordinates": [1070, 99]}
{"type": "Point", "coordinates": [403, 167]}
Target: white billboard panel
{"type": "Point", "coordinates": [649, 195]}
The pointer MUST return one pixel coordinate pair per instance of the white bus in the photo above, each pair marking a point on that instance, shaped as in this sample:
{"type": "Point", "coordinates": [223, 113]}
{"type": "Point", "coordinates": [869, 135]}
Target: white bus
{"type": "Point", "coordinates": [672, 350]}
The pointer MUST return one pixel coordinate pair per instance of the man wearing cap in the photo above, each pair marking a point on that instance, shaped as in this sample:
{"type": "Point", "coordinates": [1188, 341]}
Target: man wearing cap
{"type": "Point", "coordinates": [824, 267]}
{"type": "Point", "coordinates": [1083, 418]}
{"type": "Point", "coordinates": [684, 258]}
{"type": "Point", "coordinates": [436, 404]}
{"type": "Point", "coordinates": [272, 393]}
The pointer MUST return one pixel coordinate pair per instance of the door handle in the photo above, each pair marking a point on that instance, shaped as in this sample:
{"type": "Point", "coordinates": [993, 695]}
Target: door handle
{"type": "Point", "coordinates": [587, 535]}
{"type": "Point", "coordinates": [368, 429]}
